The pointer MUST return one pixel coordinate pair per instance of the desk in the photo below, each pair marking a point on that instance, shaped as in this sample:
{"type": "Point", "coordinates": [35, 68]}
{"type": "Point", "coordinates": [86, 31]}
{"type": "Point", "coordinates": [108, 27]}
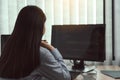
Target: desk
{"type": "Point", "coordinates": [99, 75]}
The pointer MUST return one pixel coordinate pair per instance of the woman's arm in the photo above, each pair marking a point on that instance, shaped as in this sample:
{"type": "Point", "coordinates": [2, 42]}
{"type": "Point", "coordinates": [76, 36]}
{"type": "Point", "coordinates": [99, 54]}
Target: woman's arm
{"type": "Point", "coordinates": [52, 64]}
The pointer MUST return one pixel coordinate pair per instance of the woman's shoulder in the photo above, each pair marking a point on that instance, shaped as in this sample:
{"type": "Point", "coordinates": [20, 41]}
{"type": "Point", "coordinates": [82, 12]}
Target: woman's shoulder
{"type": "Point", "coordinates": [43, 49]}
{"type": "Point", "coordinates": [45, 53]}
{"type": "Point", "coordinates": [54, 53]}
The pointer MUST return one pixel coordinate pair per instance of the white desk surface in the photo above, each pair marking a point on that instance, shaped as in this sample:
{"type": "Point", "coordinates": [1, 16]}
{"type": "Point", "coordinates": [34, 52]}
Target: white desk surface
{"type": "Point", "coordinates": [99, 75]}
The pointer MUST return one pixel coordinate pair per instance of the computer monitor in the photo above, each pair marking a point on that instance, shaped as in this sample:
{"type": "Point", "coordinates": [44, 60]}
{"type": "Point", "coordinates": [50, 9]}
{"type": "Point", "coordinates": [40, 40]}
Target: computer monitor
{"type": "Point", "coordinates": [80, 42]}
{"type": "Point", "coordinates": [4, 39]}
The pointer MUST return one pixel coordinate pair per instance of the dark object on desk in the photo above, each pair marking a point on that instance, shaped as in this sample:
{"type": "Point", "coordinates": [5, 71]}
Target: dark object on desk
{"type": "Point", "coordinates": [113, 74]}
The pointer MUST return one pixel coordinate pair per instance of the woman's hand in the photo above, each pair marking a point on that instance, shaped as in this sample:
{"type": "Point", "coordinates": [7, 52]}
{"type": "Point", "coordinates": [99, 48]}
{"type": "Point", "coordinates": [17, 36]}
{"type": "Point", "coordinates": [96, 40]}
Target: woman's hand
{"type": "Point", "coordinates": [46, 45]}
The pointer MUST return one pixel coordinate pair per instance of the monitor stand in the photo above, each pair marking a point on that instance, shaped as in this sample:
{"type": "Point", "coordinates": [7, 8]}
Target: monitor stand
{"type": "Point", "coordinates": [78, 65]}
{"type": "Point", "coordinates": [80, 68]}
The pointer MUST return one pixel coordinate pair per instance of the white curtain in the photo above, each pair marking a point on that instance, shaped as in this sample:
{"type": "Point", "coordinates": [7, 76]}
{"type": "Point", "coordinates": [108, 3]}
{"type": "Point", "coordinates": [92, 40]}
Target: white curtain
{"type": "Point", "coordinates": [117, 31]}
{"type": "Point", "coordinates": [60, 12]}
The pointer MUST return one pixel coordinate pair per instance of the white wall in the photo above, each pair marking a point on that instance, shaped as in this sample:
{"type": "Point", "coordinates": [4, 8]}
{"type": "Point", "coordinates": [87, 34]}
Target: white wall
{"type": "Point", "coordinates": [117, 31]}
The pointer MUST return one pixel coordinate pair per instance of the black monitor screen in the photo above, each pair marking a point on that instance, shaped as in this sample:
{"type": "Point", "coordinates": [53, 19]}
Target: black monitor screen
{"type": "Point", "coordinates": [4, 39]}
{"type": "Point", "coordinates": [86, 42]}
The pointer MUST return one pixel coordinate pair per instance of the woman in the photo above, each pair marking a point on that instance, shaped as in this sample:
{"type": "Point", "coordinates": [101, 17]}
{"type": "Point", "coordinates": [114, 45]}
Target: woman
{"type": "Point", "coordinates": [26, 56]}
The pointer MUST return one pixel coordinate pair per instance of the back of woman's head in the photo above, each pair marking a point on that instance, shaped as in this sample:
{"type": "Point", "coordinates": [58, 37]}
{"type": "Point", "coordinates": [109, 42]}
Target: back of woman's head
{"type": "Point", "coordinates": [21, 53]}
{"type": "Point", "coordinates": [30, 21]}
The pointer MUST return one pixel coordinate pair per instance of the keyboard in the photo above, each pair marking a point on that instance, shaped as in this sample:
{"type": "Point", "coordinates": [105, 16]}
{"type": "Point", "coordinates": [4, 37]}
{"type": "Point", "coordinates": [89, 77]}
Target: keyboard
{"type": "Point", "coordinates": [111, 73]}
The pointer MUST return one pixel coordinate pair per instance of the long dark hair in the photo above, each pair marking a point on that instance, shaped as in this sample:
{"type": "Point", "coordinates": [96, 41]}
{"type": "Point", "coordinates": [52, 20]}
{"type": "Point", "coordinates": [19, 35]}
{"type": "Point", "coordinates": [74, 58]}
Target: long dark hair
{"type": "Point", "coordinates": [21, 54]}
